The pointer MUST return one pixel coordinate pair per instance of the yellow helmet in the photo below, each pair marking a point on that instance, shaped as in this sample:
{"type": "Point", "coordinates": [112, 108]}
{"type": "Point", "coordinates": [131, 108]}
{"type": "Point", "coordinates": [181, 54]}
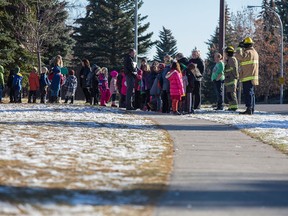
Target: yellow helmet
{"type": "Point", "coordinates": [248, 40]}
{"type": "Point", "coordinates": [229, 49]}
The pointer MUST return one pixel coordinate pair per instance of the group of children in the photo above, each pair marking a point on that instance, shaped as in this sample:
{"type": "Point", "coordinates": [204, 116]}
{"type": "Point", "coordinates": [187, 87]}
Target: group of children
{"type": "Point", "coordinates": [160, 87]}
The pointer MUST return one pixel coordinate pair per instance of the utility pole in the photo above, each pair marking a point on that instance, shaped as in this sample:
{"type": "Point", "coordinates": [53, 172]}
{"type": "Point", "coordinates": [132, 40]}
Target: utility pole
{"type": "Point", "coordinates": [222, 34]}
{"type": "Point", "coordinates": [222, 27]}
{"type": "Point", "coordinates": [136, 30]}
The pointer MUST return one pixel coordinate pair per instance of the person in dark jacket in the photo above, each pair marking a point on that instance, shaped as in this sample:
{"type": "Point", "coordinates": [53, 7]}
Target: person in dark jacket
{"type": "Point", "coordinates": [70, 85]}
{"type": "Point", "coordinates": [93, 82]}
{"type": "Point", "coordinates": [10, 86]}
{"type": "Point", "coordinates": [85, 70]}
{"type": "Point", "coordinates": [165, 85]}
{"type": "Point", "coordinates": [44, 83]}
{"type": "Point", "coordinates": [196, 59]}
{"type": "Point", "coordinates": [130, 70]}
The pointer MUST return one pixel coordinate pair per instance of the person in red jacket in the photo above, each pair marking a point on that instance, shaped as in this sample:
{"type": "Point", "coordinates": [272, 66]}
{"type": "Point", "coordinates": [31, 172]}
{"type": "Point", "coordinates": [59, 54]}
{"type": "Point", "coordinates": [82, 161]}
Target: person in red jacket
{"type": "Point", "coordinates": [33, 84]}
{"type": "Point", "coordinates": [176, 86]}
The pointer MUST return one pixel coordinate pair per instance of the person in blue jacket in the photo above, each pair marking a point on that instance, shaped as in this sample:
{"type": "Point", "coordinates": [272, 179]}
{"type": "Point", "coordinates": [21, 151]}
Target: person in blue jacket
{"type": "Point", "coordinates": [17, 85]}
{"type": "Point", "coordinates": [56, 83]}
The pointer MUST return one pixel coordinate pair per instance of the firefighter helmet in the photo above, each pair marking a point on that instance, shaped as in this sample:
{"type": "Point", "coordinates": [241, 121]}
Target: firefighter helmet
{"type": "Point", "coordinates": [229, 49]}
{"type": "Point", "coordinates": [248, 40]}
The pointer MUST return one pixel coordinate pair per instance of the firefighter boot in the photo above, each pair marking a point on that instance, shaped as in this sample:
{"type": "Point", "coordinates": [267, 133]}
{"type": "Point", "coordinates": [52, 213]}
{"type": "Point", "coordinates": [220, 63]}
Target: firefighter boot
{"type": "Point", "coordinates": [248, 111]}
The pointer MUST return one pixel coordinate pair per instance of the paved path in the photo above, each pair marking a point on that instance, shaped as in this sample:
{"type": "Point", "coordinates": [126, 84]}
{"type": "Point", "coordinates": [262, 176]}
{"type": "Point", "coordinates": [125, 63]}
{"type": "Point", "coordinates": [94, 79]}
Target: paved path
{"type": "Point", "coordinates": [220, 171]}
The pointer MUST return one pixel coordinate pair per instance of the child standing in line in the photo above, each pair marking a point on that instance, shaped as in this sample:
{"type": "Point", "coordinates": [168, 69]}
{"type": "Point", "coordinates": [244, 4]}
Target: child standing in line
{"type": "Point", "coordinates": [176, 86]}
{"type": "Point", "coordinates": [44, 83]}
{"type": "Point", "coordinates": [137, 94]}
{"type": "Point", "coordinates": [70, 85]}
{"type": "Point", "coordinates": [103, 86]}
{"type": "Point", "coordinates": [113, 87]}
{"type": "Point", "coordinates": [17, 85]}
{"type": "Point", "coordinates": [123, 91]}
{"type": "Point", "coordinates": [33, 84]}
{"type": "Point", "coordinates": [56, 83]}
{"type": "Point", "coordinates": [93, 83]}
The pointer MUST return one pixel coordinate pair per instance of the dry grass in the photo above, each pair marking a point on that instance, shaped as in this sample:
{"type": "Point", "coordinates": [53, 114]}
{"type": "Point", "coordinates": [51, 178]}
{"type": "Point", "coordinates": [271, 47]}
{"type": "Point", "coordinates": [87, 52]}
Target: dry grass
{"type": "Point", "coordinates": [82, 181]}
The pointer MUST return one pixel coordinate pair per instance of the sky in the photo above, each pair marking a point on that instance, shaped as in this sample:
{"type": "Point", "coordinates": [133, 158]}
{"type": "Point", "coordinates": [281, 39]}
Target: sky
{"type": "Point", "coordinates": [192, 22]}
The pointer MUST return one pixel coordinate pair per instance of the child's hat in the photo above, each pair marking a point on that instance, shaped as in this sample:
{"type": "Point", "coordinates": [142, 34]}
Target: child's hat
{"type": "Point", "coordinates": [113, 73]}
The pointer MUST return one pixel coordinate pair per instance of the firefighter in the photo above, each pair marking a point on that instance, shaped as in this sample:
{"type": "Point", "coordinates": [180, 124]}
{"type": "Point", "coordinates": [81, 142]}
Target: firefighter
{"type": "Point", "coordinates": [231, 77]}
{"type": "Point", "coordinates": [249, 69]}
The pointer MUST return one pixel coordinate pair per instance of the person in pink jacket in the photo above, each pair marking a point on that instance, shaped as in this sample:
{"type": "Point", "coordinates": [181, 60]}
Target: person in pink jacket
{"type": "Point", "coordinates": [176, 86]}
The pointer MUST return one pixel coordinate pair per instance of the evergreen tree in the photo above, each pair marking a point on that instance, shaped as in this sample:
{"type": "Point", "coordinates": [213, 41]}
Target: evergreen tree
{"type": "Point", "coordinates": [106, 33]}
{"type": "Point", "coordinates": [10, 52]}
{"type": "Point", "coordinates": [37, 25]}
{"type": "Point", "coordinates": [282, 10]}
{"type": "Point", "coordinates": [166, 45]}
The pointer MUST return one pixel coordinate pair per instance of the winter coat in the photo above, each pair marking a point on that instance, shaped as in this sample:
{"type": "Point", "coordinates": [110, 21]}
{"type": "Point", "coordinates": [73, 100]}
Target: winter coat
{"type": "Point", "coordinates": [10, 79]}
{"type": "Point", "coordinates": [44, 81]}
{"type": "Point", "coordinates": [33, 81]}
{"type": "Point", "coordinates": [17, 82]}
{"type": "Point", "coordinates": [200, 64]}
{"type": "Point", "coordinates": [123, 85]}
{"type": "Point", "coordinates": [57, 80]}
{"type": "Point", "coordinates": [156, 88]}
{"type": "Point", "coordinates": [83, 80]}
{"type": "Point", "coordinates": [71, 84]}
{"type": "Point", "coordinates": [164, 82]}
{"type": "Point", "coordinates": [151, 77]}
{"type": "Point", "coordinates": [191, 80]}
{"type": "Point", "coordinates": [103, 82]}
{"type": "Point", "coordinates": [1, 76]}
{"type": "Point", "coordinates": [138, 80]}
{"type": "Point", "coordinates": [231, 73]}
{"type": "Point", "coordinates": [185, 81]}
{"type": "Point", "coordinates": [249, 64]}
{"type": "Point", "coordinates": [217, 70]}
{"type": "Point", "coordinates": [113, 85]}
{"type": "Point", "coordinates": [129, 66]}
{"type": "Point", "coordinates": [176, 83]}
{"type": "Point", "coordinates": [145, 81]}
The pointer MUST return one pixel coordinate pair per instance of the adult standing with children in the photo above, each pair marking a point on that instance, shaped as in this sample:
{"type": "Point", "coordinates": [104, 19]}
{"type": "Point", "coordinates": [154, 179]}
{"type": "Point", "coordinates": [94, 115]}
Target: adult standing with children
{"type": "Point", "coordinates": [196, 94]}
{"type": "Point", "coordinates": [85, 70]}
{"type": "Point", "coordinates": [130, 71]}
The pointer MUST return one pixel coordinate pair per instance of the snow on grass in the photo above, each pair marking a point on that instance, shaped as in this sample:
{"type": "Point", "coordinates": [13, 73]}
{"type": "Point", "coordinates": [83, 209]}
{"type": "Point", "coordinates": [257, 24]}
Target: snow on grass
{"type": "Point", "coordinates": [77, 160]}
{"type": "Point", "coordinates": [268, 127]}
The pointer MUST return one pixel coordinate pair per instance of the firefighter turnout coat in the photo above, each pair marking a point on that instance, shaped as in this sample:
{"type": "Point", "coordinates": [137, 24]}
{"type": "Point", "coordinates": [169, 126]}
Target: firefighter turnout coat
{"type": "Point", "coordinates": [249, 65]}
{"type": "Point", "coordinates": [231, 74]}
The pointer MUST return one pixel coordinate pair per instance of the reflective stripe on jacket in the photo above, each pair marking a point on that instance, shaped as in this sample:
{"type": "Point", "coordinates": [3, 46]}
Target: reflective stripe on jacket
{"type": "Point", "coordinates": [249, 63]}
{"type": "Point", "coordinates": [231, 71]}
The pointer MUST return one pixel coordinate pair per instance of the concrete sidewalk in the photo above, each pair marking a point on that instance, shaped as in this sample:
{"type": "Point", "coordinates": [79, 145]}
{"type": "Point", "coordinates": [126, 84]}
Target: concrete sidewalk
{"type": "Point", "coordinates": [220, 171]}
